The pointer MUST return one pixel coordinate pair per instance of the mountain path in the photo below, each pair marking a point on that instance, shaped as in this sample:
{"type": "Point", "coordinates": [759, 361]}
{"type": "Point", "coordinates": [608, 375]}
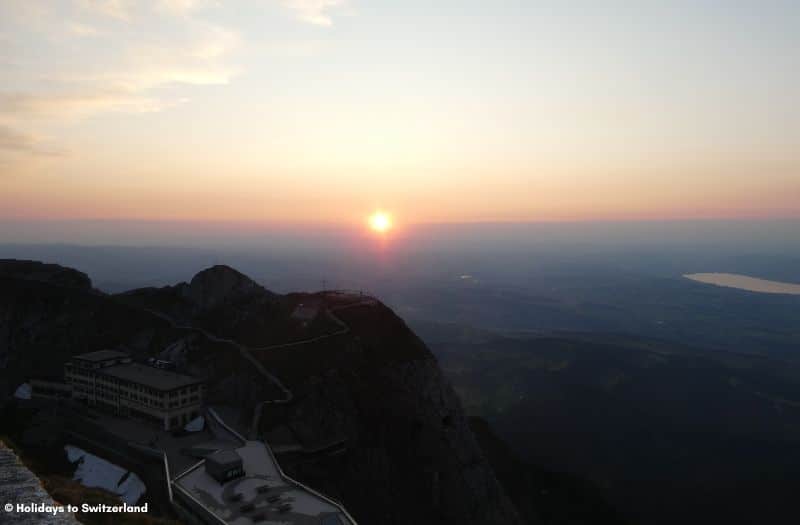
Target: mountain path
{"type": "Point", "coordinates": [245, 351]}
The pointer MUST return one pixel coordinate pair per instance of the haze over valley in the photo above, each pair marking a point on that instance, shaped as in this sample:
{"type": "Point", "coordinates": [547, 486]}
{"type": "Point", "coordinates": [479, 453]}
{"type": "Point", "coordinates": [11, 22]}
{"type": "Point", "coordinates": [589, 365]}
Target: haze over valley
{"type": "Point", "coordinates": [532, 322]}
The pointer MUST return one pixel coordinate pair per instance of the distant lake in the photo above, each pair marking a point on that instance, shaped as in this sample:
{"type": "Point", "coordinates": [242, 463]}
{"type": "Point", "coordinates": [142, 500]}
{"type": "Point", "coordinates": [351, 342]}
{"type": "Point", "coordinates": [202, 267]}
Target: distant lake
{"type": "Point", "coordinates": [743, 282]}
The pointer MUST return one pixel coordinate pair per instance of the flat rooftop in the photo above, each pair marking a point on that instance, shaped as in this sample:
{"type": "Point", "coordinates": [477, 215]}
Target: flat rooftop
{"type": "Point", "coordinates": [101, 355]}
{"type": "Point", "coordinates": [258, 497]}
{"type": "Point", "coordinates": [149, 376]}
{"type": "Point", "coordinates": [224, 457]}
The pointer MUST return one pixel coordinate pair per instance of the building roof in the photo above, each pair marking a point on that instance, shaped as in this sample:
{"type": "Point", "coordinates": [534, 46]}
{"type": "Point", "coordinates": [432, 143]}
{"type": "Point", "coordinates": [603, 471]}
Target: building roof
{"type": "Point", "coordinates": [101, 355]}
{"type": "Point", "coordinates": [224, 458]}
{"type": "Point", "coordinates": [156, 378]}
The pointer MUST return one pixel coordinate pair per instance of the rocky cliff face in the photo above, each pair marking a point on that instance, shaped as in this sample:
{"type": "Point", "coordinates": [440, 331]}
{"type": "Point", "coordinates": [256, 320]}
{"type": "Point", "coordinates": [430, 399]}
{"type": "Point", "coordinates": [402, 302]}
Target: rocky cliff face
{"type": "Point", "coordinates": [380, 427]}
{"type": "Point", "coordinates": [372, 421]}
{"type": "Point", "coordinates": [18, 484]}
{"type": "Point", "coordinates": [408, 455]}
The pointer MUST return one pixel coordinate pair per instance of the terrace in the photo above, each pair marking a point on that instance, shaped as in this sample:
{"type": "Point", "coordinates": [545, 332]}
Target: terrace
{"type": "Point", "coordinates": [262, 496]}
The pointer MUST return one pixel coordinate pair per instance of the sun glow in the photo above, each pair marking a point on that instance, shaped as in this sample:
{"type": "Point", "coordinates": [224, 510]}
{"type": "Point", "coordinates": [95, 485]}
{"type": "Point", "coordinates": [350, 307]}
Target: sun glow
{"type": "Point", "coordinates": [380, 222]}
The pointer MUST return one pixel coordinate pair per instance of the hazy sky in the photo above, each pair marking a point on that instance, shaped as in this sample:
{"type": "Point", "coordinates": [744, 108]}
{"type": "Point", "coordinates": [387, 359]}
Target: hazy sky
{"type": "Point", "coordinates": [319, 111]}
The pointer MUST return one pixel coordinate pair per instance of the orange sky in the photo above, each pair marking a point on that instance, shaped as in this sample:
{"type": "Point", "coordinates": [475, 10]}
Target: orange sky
{"type": "Point", "coordinates": [321, 112]}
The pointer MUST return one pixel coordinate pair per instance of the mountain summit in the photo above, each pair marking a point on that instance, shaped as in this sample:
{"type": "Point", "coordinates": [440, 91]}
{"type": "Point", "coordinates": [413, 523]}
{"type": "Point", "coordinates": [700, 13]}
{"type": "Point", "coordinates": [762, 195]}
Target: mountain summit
{"type": "Point", "coordinates": [219, 283]}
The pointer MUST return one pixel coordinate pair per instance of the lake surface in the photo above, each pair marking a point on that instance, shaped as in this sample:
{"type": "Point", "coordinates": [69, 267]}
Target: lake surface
{"type": "Point", "coordinates": [743, 282]}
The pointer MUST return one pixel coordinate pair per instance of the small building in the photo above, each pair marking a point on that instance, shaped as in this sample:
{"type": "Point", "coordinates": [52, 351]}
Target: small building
{"type": "Point", "coordinates": [112, 380]}
{"type": "Point", "coordinates": [224, 465]}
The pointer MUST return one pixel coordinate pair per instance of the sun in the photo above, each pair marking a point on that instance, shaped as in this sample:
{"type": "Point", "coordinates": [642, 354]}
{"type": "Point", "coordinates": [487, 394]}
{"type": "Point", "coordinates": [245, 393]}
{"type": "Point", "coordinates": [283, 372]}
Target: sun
{"type": "Point", "coordinates": [380, 222]}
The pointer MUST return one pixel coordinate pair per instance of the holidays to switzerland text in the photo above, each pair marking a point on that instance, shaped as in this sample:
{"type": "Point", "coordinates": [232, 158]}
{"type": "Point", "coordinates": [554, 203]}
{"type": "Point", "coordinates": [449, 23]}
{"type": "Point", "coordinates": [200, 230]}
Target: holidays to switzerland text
{"type": "Point", "coordinates": [46, 508]}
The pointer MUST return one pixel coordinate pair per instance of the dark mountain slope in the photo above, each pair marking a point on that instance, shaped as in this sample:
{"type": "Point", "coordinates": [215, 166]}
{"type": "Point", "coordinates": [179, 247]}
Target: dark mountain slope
{"type": "Point", "coordinates": [405, 453]}
{"type": "Point", "coordinates": [551, 497]}
{"type": "Point", "coordinates": [47, 273]}
{"type": "Point", "coordinates": [42, 325]}
{"type": "Point", "coordinates": [231, 305]}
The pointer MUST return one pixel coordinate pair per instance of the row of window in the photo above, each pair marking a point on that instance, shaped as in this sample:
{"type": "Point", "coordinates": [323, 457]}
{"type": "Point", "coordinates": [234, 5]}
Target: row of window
{"type": "Point", "coordinates": [109, 390]}
{"type": "Point", "coordinates": [139, 392]}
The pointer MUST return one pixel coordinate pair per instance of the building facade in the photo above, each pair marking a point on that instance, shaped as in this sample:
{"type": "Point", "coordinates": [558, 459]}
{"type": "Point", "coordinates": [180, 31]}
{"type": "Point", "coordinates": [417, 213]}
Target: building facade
{"type": "Point", "coordinates": [111, 380]}
{"type": "Point", "coordinates": [53, 389]}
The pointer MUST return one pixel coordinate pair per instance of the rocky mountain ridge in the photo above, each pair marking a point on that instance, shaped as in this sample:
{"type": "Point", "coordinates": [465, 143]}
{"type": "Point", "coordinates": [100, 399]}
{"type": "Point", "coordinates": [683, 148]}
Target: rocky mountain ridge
{"type": "Point", "coordinates": [405, 452]}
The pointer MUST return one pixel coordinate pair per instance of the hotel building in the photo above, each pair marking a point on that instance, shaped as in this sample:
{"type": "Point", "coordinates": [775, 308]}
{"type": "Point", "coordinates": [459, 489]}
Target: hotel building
{"type": "Point", "coordinates": [111, 380]}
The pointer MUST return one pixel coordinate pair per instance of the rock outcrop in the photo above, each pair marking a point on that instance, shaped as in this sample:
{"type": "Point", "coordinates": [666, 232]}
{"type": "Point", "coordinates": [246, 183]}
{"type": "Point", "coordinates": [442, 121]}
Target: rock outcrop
{"type": "Point", "coordinates": [20, 485]}
{"type": "Point", "coordinates": [219, 284]}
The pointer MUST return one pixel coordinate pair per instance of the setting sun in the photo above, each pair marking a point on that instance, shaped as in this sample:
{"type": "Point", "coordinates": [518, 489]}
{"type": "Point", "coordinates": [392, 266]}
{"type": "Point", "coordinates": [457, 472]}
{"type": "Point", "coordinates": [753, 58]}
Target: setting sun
{"type": "Point", "coordinates": [380, 222]}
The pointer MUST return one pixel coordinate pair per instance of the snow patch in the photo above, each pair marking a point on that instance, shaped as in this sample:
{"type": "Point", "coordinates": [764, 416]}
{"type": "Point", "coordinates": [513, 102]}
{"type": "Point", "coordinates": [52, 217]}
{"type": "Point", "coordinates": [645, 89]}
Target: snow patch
{"type": "Point", "coordinates": [174, 351]}
{"type": "Point", "coordinates": [195, 425]}
{"type": "Point", "coordinates": [23, 391]}
{"type": "Point", "coordinates": [96, 472]}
